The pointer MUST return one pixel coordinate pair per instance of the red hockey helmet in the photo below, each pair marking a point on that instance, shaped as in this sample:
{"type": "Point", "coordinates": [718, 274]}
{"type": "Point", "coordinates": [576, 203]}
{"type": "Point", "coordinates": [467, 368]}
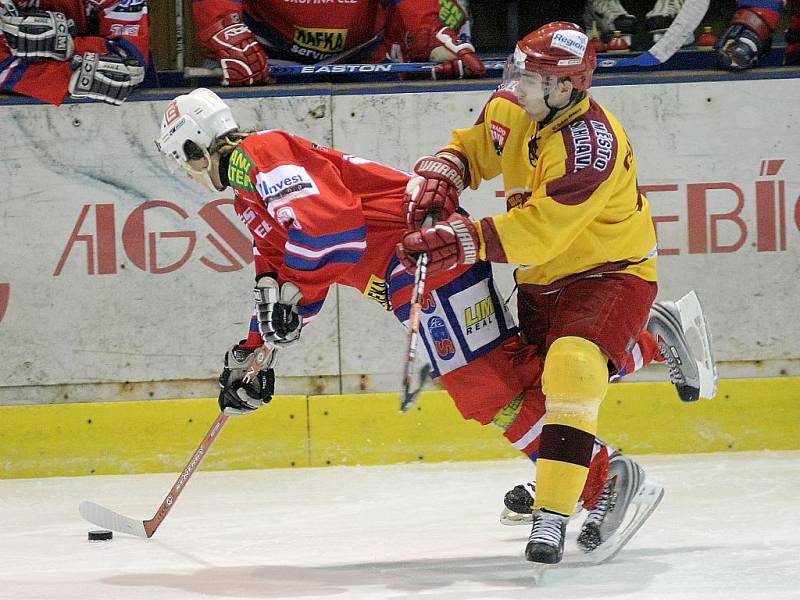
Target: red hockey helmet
{"type": "Point", "coordinates": [559, 49]}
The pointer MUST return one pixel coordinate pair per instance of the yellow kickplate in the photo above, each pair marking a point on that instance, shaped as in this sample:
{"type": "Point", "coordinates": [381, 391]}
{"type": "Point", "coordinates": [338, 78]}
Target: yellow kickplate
{"type": "Point", "coordinates": [146, 437]}
{"type": "Point", "coordinates": [293, 431]}
{"type": "Point", "coordinates": [368, 429]}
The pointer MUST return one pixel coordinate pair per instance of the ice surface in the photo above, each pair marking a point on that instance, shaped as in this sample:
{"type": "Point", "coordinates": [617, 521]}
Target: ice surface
{"type": "Point", "coordinates": [726, 529]}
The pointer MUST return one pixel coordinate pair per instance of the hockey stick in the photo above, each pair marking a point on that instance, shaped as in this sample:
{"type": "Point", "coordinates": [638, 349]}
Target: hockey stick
{"type": "Point", "coordinates": [409, 396]}
{"type": "Point", "coordinates": [179, 58]}
{"type": "Point", "coordinates": [338, 69]}
{"type": "Point", "coordinates": [685, 22]}
{"type": "Point", "coordinates": [108, 519]}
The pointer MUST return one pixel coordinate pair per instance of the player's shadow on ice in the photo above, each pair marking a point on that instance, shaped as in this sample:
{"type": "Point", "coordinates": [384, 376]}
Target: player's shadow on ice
{"type": "Point", "coordinates": [473, 577]}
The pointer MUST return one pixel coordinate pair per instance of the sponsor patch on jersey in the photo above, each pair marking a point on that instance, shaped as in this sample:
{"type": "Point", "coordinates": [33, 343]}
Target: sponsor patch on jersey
{"type": "Point", "coordinates": [441, 339]}
{"type": "Point", "coordinates": [572, 41]}
{"type": "Point", "coordinates": [329, 41]}
{"type": "Point", "coordinates": [428, 303]}
{"type": "Point", "coordinates": [239, 168]}
{"type": "Point", "coordinates": [597, 155]}
{"type": "Point", "coordinates": [516, 198]}
{"type": "Point", "coordinates": [378, 290]}
{"type": "Point", "coordinates": [451, 14]}
{"type": "Point", "coordinates": [476, 312]}
{"type": "Point", "coordinates": [479, 314]}
{"type": "Point", "coordinates": [287, 182]}
{"type": "Point", "coordinates": [499, 133]}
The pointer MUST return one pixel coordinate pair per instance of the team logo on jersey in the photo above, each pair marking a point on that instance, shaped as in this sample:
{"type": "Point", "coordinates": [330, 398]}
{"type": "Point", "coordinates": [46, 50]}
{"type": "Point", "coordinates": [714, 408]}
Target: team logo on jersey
{"type": "Point", "coordinates": [285, 183]}
{"type": "Point", "coordinates": [499, 135]}
{"type": "Point", "coordinates": [440, 336]}
{"type": "Point", "coordinates": [239, 168]}
{"type": "Point", "coordinates": [327, 41]}
{"type": "Point", "coordinates": [378, 290]}
{"type": "Point", "coordinates": [479, 315]}
{"type": "Point", "coordinates": [533, 150]}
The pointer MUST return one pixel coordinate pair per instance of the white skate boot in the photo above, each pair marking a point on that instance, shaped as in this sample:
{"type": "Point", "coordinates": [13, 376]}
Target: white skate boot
{"type": "Point", "coordinates": [685, 342]}
{"type": "Point", "coordinates": [659, 19]}
{"type": "Point", "coordinates": [628, 499]}
{"type": "Point", "coordinates": [610, 16]}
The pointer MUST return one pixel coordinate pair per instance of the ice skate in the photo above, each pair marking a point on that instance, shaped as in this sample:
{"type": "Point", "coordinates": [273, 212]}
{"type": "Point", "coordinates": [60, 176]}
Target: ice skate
{"type": "Point", "coordinates": [518, 504]}
{"type": "Point", "coordinates": [660, 18]}
{"type": "Point", "coordinates": [685, 342]}
{"type": "Point", "coordinates": [546, 542]}
{"type": "Point", "coordinates": [627, 501]}
{"type": "Point", "coordinates": [609, 16]}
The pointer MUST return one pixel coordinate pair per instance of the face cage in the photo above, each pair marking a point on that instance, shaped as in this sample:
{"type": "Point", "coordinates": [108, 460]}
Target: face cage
{"type": "Point", "coordinates": [176, 166]}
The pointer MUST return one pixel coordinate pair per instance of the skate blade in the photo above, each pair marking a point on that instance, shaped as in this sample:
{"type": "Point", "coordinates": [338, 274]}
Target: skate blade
{"type": "Point", "coordinates": [698, 338]}
{"type": "Point", "coordinates": [641, 507]}
{"type": "Point", "coordinates": [509, 517]}
{"type": "Point", "coordinates": [538, 571]}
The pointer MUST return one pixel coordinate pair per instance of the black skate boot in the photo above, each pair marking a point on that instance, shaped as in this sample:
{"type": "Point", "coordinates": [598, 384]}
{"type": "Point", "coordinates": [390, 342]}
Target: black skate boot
{"type": "Point", "coordinates": [546, 542]}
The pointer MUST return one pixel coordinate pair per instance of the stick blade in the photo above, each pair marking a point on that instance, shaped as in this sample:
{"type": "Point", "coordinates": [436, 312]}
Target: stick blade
{"type": "Point", "coordinates": [409, 397]}
{"type": "Point", "coordinates": [108, 519]}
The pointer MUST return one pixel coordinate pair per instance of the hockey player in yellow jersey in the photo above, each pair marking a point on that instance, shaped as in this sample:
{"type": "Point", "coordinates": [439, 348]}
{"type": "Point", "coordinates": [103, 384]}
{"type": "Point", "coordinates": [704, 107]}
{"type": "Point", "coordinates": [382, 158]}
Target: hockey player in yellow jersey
{"type": "Point", "coordinates": [582, 232]}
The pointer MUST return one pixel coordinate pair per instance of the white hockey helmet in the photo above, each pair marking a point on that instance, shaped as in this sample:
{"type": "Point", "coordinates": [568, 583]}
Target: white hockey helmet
{"type": "Point", "coordinates": [194, 121]}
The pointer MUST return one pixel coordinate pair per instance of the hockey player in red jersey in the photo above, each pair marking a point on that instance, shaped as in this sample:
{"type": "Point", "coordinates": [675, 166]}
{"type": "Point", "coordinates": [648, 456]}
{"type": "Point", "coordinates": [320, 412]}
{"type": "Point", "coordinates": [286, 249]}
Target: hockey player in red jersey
{"type": "Point", "coordinates": [54, 49]}
{"type": "Point", "coordinates": [319, 217]}
{"type": "Point", "coordinates": [244, 36]}
{"type": "Point", "coordinates": [749, 36]}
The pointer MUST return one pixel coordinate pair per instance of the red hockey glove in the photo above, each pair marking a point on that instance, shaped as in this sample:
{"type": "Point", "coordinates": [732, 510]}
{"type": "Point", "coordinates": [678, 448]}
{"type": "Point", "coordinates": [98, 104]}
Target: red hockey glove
{"type": "Point", "coordinates": [448, 244]}
{"type": "Point", "coordinates": [435, 189]}
{"type": "Point", "coordinates": [458, 59]}
{"type": "Point", "coordinates": [243, 60]}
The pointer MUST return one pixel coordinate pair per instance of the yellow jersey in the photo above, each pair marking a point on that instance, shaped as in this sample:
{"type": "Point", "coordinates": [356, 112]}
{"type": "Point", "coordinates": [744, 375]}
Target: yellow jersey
{"type": "Point", "coordinates": [573, 204]}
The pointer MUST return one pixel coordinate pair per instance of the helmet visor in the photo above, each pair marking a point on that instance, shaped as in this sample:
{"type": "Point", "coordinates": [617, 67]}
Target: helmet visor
{"type": "Point", "coordinates": [526, 83]}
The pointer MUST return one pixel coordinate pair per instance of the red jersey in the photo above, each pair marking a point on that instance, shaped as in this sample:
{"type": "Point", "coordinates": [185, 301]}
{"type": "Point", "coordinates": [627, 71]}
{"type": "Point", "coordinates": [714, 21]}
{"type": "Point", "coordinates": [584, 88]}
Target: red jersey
{"type": "Point", "coordinates": [317, 216]}
{"type": "Point", "coordinates": [312, 31]}
{"type": "Point", "coordinates": [104, 26]}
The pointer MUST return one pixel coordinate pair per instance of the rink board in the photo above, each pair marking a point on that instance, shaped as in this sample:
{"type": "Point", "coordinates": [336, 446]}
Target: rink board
{"type": "Point", "coordinates": [367, 429]}
{"type": "Point", "coordinates": [148, 278]}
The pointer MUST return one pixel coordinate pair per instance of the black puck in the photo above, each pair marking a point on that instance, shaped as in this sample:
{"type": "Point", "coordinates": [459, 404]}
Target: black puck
{"type": "Point", "coordinates": [100, 535]}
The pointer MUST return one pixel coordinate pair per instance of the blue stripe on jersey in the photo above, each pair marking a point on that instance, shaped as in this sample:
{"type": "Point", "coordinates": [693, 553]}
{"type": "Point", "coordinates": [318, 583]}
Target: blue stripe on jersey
{"type": "Point", "coordinates": [309, 310]}
{"type": "Point", "coordinates": [271, 36]}
{"type": "Point", "coordinates": [16, 75]}
{"type": "Point", "coordinates": [124, 47]}
{"type": "Point", "coordinates": [337, 256]}
{"type": "Point", "coordinates": [776, 5]}
{"type": "Point", "coordinates": [321, 242]}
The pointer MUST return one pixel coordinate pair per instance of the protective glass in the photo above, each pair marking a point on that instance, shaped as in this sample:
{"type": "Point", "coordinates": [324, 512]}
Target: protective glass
{"type": "Point", "coordinates": [525, 82]}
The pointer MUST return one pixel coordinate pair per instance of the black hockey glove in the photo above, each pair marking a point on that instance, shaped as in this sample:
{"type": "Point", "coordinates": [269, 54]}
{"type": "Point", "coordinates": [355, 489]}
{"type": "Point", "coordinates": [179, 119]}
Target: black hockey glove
{"type": "Point", "coordinates": [39, 34]}
{"type": "Point", "coordinates": [105, 77]}
{"type": "Point", "coordinates": [238, 398]}
{"type": "Point", "coordinates": [276, 305]}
